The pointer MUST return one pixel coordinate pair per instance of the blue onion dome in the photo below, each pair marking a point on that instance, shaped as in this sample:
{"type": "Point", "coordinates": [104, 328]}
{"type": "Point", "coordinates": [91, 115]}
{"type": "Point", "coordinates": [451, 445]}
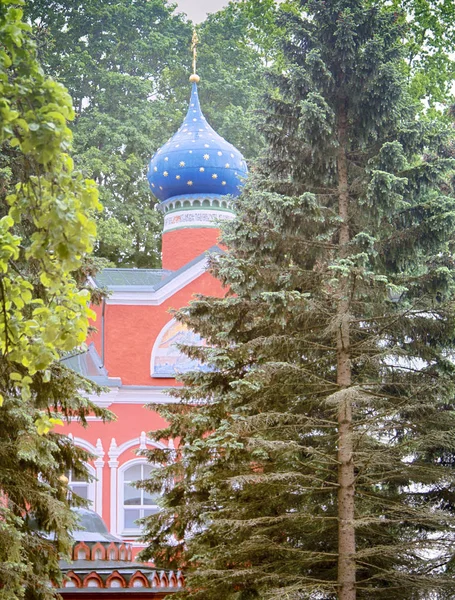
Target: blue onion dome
{"type": "Point", "coordinates": [196, 161]}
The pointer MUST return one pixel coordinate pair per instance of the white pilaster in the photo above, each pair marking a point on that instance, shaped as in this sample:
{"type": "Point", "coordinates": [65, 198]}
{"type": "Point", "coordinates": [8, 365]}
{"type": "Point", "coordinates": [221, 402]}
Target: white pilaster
{"type": "Point", "coordinates": [113, 464]}
{"type": "Point", "coordinates": [99, 464]}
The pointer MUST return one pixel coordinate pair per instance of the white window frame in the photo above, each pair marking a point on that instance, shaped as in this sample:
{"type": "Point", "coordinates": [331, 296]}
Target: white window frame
{"type": "Point", "coordinates": [90, 485]}
{"type": "Point", "coordinates": [131, 532]}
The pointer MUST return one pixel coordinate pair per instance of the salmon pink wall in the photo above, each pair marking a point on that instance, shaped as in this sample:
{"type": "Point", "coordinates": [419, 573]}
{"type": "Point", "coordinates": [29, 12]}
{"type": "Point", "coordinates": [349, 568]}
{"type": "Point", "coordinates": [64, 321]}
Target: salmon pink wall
{"type": "Point", "coordinates": [131, 331]}
{"type": "Point", "coordinates": [131, 420]}
{"type": "Point", "coordinates": [182, 245]}
{"type": "Point", "coordinates": [95, 335]}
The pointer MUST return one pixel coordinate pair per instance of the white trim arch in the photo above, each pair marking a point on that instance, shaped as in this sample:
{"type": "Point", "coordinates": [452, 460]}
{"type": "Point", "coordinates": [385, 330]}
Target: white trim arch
{"type": "Point", "coordinates": [84, 444]}
{"type": "Point", "coordinates": [143, 441]}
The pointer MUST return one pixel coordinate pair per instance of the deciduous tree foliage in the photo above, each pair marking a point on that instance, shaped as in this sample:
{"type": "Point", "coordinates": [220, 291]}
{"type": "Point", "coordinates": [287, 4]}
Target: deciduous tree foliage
{"type": "Point", "coordinates": [315, 454]}
{"type": "Point", "coordinates": [120, 62]}
{"type": "Point", "coordinates": [429, 49]}
{"type": "Point", "coordinates": [46, 228]}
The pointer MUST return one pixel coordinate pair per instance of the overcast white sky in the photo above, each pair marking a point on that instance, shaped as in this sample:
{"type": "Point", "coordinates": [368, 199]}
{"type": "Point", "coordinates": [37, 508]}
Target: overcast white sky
{"type": "Point", "coordinates": [198, 9]}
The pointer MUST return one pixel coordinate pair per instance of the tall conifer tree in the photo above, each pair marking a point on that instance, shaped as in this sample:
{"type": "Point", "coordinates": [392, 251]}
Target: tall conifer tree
{"type": "Point", "coordinates": [315, 455]}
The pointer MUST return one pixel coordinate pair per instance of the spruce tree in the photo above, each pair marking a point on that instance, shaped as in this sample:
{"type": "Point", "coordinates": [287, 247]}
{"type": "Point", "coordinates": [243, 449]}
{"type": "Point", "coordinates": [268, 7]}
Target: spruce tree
{"type": "Point", "coordinates": [315, 456]}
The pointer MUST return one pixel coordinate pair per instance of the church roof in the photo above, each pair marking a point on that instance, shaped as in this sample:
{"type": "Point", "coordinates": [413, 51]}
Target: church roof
{"type": "Point", "coordinates": [137, 280]}
{"type": "Point", "coordinates": [103, 562]}
{"type": "Point", "coordinates": [113, 277]}
{"type": "Point", "coordinates": [89, 364]}
{"type": "Point", "coordinates": [90, 527]}
{"type": "Point", "coordinates": [196, 160]}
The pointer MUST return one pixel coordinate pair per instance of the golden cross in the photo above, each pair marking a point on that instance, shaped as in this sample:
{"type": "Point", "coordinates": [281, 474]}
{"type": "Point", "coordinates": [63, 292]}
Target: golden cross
{"type": "Point", "coordinates": [194, 43]}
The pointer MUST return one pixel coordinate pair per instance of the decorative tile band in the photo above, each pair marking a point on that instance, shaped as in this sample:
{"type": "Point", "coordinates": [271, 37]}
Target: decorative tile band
{"type": "Point", "coordinates": [195, 218]}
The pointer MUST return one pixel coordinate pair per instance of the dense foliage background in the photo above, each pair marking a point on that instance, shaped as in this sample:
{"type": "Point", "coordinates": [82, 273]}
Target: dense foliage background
{"type": "Point", "coordinates": [126, 65]}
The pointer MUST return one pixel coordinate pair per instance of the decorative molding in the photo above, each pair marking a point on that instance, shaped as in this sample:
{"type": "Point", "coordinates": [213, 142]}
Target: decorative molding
{"type": "Point", "coordinates": [105, 399]}
{"type": "Point", "coordinates": [139, 395]}
{"type": "Point", "coordinates": [196, 218]}
{"type": "Point", "coordinates": [196, 201]}
{"type": "Point", "coordinates": [144, 395]}
{"type": "Point", "coordinates": [84, 444]}
{"type": "Point", "coordinates": [143, 441]}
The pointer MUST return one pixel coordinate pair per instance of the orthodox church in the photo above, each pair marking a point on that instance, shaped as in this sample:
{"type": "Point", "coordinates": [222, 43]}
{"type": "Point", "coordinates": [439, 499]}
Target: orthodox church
{"type": "Point", "coordinates": [195, 177]}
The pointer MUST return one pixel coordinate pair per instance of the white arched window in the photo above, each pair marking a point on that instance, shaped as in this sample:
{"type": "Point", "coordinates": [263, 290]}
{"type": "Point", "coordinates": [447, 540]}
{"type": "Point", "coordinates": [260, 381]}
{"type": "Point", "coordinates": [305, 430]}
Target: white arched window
{"type": "Point", "coordinates": [167, 360]}
{"type": "Point", "coordinates": [82, 486]}
{"type": "Point", "coordinates": [135, 503]}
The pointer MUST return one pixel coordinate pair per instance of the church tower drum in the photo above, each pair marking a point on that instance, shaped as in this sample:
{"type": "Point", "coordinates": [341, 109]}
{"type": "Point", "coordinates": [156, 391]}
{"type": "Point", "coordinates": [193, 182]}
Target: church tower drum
{"type": "Point", "coordinates": [195, 176]}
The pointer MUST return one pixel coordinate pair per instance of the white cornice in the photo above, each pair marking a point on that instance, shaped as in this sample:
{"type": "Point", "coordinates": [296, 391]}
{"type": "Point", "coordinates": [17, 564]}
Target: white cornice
{"type": "Point", "coordinates": [155, 298]}
{"type": "Point", "coordinates": [133, 395]}
{"type": "Point", "coordinates": [105, 399]}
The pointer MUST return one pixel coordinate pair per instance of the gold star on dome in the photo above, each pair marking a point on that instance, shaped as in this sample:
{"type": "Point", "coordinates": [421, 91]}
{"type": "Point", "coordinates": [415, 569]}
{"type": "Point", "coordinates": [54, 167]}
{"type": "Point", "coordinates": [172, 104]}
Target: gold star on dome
{"type": "Point", "coordinates": [165, 173]}
{"type": "Point", "coordinates": [189, 182]}
{"type": "Point", "coordinates": [153, 185]}
{"type": "Point", "coordinates": [206, 146]}
{"type": "Point", "coordinates": [166, 158]}
{"type": "Point", "coordinates": [177, 176]}
{"type": "Point", "coordinates": [161, 188]}
{"type": "Point", "coordinates": [195, 120]}
{"type": "Point", "coordinates": [223, 183]}
{"type": "Point", "coordinates": [214, 176]}
{"type": "Point", "coordinates": [232, 156]}
{"type": "Point", "coordinates": [155, 169]}
{"type": "Point", "coordinates": [227, 165]}
{"type": "Point", "coordinates": [181, 163]}
{"type": "Point", "coordinates": [202, 169]}
{"type": "Point", "coordinates": [206, 156]}
{"type": "Point", "coordinates": [220, 153]}
{"type": "Point", "coordinates": [177, 145]}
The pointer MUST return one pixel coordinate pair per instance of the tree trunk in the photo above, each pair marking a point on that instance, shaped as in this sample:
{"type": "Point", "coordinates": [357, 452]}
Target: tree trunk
{"type": "Point", "coordinates": [346, 530]}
